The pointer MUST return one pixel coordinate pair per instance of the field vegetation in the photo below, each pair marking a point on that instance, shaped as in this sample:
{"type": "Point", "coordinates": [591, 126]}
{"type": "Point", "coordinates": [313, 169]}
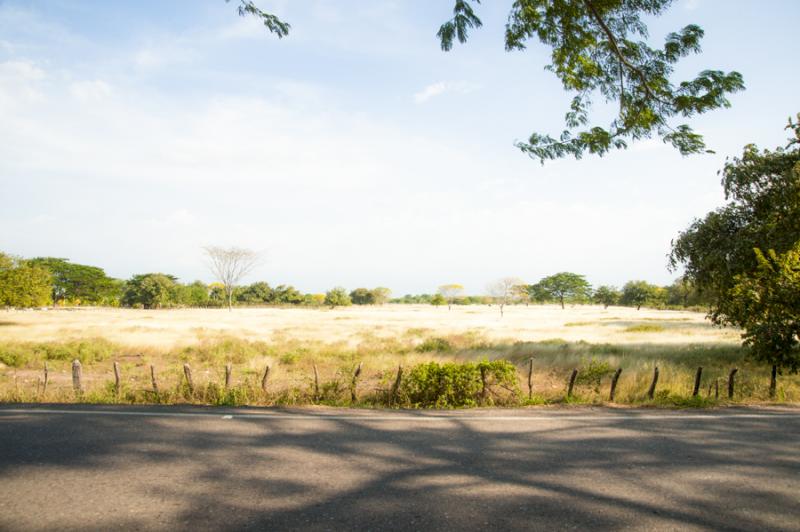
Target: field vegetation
{"type": "Point", "coordinates": [467, 356]}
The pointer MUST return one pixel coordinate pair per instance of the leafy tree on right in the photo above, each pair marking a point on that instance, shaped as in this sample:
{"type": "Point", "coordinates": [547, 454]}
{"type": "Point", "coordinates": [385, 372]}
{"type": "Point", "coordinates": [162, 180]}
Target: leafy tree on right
{"type": "Point", "coordinates": [743, 256]}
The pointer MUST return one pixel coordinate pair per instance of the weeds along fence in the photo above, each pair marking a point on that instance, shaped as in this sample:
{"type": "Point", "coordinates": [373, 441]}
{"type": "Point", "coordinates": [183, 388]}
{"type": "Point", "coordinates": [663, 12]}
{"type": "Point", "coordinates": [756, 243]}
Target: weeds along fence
{"type": "Point", "coordinates": [423, 385]}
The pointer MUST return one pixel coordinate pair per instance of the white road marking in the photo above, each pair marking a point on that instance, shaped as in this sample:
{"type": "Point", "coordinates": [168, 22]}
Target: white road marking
{"type": "Point", "coordinates": [426, 417]}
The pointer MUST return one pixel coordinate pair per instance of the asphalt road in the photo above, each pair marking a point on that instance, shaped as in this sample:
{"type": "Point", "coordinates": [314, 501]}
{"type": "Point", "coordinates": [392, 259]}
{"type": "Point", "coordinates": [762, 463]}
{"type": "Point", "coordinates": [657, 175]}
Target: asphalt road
{"type": "Point", "coordinates": [107, 468]}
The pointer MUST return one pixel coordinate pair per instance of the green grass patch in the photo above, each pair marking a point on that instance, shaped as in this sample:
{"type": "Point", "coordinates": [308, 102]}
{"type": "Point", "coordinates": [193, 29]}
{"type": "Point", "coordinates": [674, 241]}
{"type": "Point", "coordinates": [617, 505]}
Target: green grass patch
{"type": "Point", "coordinates": [644, 328]}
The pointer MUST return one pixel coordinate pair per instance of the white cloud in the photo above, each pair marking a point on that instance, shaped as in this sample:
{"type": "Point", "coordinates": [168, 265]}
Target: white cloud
{"type": "Point", "coordinates": [441, 87]}
{"type": "Point", "coordinates": [90, 91]}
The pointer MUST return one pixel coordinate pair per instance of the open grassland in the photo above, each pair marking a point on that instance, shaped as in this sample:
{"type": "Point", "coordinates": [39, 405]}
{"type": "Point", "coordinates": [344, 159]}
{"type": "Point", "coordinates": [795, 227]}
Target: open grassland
{"type": "Point", "coordinates": [291, 341]}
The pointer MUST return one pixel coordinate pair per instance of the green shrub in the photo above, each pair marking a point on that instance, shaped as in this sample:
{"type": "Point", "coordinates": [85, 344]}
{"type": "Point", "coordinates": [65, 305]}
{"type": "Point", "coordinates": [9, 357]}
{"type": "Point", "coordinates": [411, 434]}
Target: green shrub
{"type": "Point", "coordinates": [439, 345]}
{"type": "Point", "coordinates": [450, 385]}
{"type": "Point", "coordinates": [14, 355]}
{"type": "Point", "coordinates": [592, 373]}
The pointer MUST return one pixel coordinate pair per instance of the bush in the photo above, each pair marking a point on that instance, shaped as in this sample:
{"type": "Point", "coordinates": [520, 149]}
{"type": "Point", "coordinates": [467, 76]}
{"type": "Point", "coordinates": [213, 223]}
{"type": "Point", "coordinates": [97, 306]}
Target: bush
{"type": "Point", "coordinates": [451, 385]}
{"type": "Point", "coordinates": [439, 345]}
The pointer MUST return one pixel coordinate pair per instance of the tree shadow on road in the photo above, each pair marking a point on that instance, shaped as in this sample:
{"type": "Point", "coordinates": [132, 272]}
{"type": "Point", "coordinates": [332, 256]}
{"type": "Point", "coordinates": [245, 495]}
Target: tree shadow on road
{"type": "Point", "coordinates": [460, 473]}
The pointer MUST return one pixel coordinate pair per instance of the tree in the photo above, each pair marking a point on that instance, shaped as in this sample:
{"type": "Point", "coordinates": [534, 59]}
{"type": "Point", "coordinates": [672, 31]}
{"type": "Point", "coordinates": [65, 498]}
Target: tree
{"type": "Point", "coordinates": [451, 292]}
{"type": "Point", "coordinates": [256, 293]}
{"type": "Point", "coordinates": [566, 285]}
{"type": "Point", "coordinates": [78, 282]}
{"type": "Point", "coordinates": [538, 293]}
{"type": "Point", "coordinates": [763, 211]}
{"type": "Point", "coordinates": [606, 295]}
{"type": "Point", "coordinates": [769, 303]}
{"type": "Point", "coordinates": [598, 50]}
{"type": "Point", "coordinates": [438, 300]}
{"type": "Point", "coordinates": [149, 290]}
{"type": "Point", "coordinates": [638, 293]}
{"type": "Point", "coordinates": [287, 295]}
{"type": "Point", "coordinates": [6, 261]}
{"type": "Point", "coordinates": [337, 297]}
{"type": "Point", "coordinates": [229, 266]}
{"type": "Point", "coordinates": [503, 291]}
{"type": "Point", "coordinates": [381, 295]}
{"type": "Point", "coordinates": [362, 296]}
{"type": "Point", "coordinates": [195, 294]}
{"type": "Point", "coordinates": [23, 284]}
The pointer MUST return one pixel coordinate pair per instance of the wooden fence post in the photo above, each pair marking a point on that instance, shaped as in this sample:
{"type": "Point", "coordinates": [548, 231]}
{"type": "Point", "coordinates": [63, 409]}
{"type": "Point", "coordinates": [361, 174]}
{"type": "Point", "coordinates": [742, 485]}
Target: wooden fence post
{"type": "Point", "coordinates": [76, 377]}
{"type": "Point", "coordinates": [353, 395]}
{"type": "Point", "coordinates": [153, 380]}
{"type": "Point", "coordinates": [572, 378]}
{"type": "Point", "coordinates": [264, 379]}
{"type": "Point", "coordinates": [716, 388]}
{"type": "Point", "coordinates": [117, 383]}
{"type": "Point", "coordinates": [773, 382]}
{"type": "Point", "coordinates": [316, 383]}
{"type": "Point", "coordinates": [396, 385]}
{"type": "Point", "coordinates": [530, 378]}
{"type": "Point", "coordinates": [731, 382]}
{"type": "Point", "coordinates": [228, 371]}
{"type": "Point", "coordinates": [697, 377]}
{"type": "Point", "coordinates": [652, 391]}
{"type": "Point", "coordinates": [614, 381]}
{"type": "Point", "coordinates": [187, 373]}
{"type": "Point", "coordinates": [46, 374]}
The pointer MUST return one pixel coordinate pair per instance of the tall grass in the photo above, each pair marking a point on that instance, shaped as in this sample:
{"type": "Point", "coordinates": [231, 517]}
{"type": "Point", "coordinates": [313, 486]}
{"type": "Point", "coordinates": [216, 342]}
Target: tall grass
{"type": "Point", "coordinates": [291, 364]}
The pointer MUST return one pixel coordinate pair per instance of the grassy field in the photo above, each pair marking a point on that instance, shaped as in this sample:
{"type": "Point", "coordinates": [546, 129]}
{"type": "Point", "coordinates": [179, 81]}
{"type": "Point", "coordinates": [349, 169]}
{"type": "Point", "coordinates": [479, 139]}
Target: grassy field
{"type": "Point", "coordinates": [291, 341]}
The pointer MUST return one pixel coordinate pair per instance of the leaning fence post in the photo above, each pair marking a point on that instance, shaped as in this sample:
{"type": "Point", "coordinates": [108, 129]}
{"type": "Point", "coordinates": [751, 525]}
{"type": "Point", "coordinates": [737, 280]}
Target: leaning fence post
{"type": "Point", "coordinates": [530, 378]}
{"type": "Point", "coordinates": [187, 373]}
{"type": "Point", "coordinates": [228, 371]}
{"type": "Point", "coordinates": [76, 377]}
{"type": "Point", "coordinates": [614, 381]}
{"type": "Point", "coordinates": [153, 380]}
{"type": "Point", "coordinates": [353, 395]}
{"type": "Point", "coordinates": [396, 385]}
{"type": "Point", "coordinates": [316, 383]}
{"type": "Point", "coordinates": [46, 373]}
{"type": "Point", "coordinates": [116, 379]}
{"type": "Point", "coordinates": [572, 378]}
{"type": "Point", "coordinates": [697, 377]}
{"type": "Point", "coordinates": [731, 382]}
{"type": "Point", "coordinates": [773, 382]}
{"type": "Point", "coordinates": [264, 379]}
{"type": "Point", "coordinates": [651, 392]}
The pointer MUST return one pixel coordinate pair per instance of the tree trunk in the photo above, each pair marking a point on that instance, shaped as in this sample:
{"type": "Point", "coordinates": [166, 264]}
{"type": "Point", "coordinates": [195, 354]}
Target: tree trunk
{"type": "Point", "coordinates": [230, 300]}
{"type": "Point", "coordinates": [501, 309]}
{"type": "Point", "coordinates": [562, 302]}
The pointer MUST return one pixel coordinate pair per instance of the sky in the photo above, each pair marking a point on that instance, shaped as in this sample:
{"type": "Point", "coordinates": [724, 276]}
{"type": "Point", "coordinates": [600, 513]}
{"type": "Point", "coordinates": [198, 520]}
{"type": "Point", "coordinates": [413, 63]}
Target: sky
{"type": "Point", "coordinates": [353, 152]}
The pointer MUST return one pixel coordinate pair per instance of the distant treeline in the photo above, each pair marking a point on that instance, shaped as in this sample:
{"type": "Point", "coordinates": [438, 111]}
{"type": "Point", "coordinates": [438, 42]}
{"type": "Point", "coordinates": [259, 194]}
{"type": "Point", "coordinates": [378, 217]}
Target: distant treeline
{"type": "Point", "coordinates": [55, 281]}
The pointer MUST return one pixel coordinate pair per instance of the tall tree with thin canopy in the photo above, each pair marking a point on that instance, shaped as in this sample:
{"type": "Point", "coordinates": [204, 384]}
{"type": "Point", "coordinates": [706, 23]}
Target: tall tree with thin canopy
{"type": "Point", "coordinates": [229, 266]}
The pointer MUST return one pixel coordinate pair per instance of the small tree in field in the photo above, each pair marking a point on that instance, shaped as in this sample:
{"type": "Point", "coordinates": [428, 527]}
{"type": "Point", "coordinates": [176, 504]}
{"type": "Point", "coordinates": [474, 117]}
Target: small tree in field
{"type": "Point", "coordinates": [229, 266]}
{"type": "Point", "coordinates": [337, 297]}
{"type": "Point", "coordinates": [606, 295]}
{"type": "Point", "coordinates": [504, 291]}
{"type": "Point", "coordinates": [566, 285]}
{"type": "Point", "coordinates": [451, 292]}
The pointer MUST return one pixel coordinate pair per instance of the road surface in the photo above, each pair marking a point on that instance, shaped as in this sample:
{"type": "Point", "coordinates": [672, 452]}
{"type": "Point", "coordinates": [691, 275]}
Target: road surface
{"type": "Point", "coordinates": [147, 468]}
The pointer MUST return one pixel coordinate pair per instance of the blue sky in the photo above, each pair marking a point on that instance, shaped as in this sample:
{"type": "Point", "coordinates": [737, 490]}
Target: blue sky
{"type": "Point", "coordinates": [353, 152]}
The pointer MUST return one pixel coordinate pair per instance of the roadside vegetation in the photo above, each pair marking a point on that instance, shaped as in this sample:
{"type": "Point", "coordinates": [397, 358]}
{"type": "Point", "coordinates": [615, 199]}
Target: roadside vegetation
{"type": "Point", "coordinates": [462, 370]}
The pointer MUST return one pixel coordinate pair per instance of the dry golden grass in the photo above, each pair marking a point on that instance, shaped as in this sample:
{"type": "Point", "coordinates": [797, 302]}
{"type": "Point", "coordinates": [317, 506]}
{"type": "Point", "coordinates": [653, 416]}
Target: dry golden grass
{"type": "Point", "coordinates": [292, 340]}
{"type": "Point", "coordinates": [171, 328]}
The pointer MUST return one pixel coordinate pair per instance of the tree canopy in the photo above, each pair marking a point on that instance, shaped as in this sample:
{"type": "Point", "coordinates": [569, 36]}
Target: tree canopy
{"type": "Point", "coordinates": [564, 286]}
{"type": "Point", "coordinates": [78, 282]}
{"type": "Point", "coordinates": [738, 253]}
{"type": "Point", "coordinates": [599, 51]}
